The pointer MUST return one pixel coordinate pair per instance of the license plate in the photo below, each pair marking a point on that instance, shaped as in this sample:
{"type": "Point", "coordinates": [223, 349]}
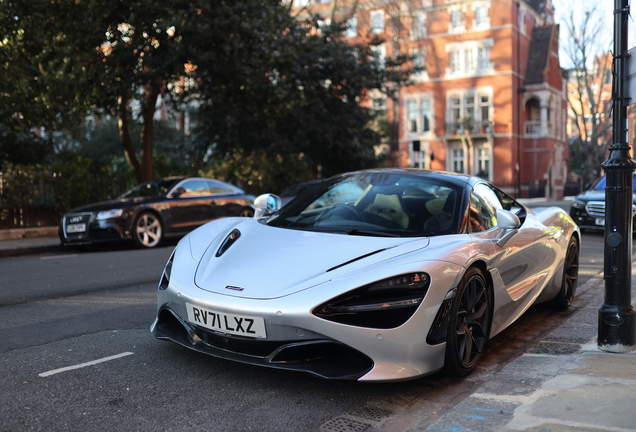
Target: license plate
{"type": "Point", "coordinates": [600, 222]}
{"type": "Point", "coordinates": [240, 325]}
{"type": "Point", "coordinates": [75, 228]}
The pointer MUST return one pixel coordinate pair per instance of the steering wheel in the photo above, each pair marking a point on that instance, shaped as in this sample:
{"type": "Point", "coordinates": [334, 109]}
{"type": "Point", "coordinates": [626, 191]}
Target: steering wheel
{"type": "Point", "coordinates": [356, 216]}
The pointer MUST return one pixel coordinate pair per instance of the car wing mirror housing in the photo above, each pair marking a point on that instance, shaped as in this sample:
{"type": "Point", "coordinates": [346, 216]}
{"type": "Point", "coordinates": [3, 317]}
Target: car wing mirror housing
{"type": "Point", "coordinates": [508, 222]}
{"type": "Point", "coordinates": [267, 204]}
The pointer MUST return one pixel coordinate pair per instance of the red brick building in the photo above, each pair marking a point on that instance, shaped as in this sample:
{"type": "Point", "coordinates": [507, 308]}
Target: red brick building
{"type": "Point", "coordinates": [491, 100]}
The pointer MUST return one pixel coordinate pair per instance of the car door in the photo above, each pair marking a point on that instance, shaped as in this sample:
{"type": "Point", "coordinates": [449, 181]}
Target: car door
{"type": "Point", "coordinates": [520, 261]}
{"type": "Point", "coordinates": [192, 205]}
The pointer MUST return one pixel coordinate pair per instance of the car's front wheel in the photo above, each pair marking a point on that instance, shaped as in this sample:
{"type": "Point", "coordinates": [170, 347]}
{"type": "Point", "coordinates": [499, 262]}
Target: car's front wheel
{"type": "Point", "coordinates": [469, 324]}
{"type": "Point", "coordinates": [147, 230]}
{"type": "Point", "coordinates": [564, 298]}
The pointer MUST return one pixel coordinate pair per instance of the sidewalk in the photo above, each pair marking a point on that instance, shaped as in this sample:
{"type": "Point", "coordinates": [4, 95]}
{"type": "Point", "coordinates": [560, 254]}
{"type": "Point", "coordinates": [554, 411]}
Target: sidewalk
{"type": "Point", "coordinates": [563, 383]}
{"type": "Point", "coordinates": [18, 242]}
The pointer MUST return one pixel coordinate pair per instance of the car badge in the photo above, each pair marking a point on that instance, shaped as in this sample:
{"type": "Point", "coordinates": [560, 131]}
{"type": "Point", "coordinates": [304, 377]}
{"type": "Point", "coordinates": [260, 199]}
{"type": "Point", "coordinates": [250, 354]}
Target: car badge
{"type": "Point", "coordinates": [234, 288]}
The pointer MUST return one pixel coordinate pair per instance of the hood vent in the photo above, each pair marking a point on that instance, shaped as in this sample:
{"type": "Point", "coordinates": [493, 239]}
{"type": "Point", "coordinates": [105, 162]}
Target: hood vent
{"type": "Point", "coordinates": [229, 241]}
{"type": "Point", "coordinates": [354, 260]}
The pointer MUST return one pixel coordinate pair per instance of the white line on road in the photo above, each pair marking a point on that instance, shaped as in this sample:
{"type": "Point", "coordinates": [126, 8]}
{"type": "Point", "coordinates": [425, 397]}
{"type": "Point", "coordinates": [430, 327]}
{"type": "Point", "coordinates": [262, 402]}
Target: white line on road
{"type": "Point", "coordinates": [91, 363]}
{"type": "Point", "coordinates": [59, 256]}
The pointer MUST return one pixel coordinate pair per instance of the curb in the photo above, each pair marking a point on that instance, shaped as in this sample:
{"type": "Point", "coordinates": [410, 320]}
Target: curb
{"type": "Point", "coordinates": [14, 252]}
{"type": "Point", "coordinates": [23, 233]}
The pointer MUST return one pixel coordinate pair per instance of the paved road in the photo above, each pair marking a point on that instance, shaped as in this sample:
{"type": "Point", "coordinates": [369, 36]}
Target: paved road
{"type": "Point", "coordinates": [62, 312]}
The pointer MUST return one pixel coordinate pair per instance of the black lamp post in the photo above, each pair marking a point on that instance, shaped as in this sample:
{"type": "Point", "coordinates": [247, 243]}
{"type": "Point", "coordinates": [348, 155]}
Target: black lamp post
{"type": "Point", "coordinates": [617, 318]}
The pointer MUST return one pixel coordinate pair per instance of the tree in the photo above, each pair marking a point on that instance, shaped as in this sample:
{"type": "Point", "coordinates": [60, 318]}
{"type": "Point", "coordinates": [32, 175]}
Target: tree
{"type": "Point", "coordinates": [108, 57]}
{"type": "Point", "coordinates": [297, 91]}
{"type": "Point", "coordinates": [589, 88]}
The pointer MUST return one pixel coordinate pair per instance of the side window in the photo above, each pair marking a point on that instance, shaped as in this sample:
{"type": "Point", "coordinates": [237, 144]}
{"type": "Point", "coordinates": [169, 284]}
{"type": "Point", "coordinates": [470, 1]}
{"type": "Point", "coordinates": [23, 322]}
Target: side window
{"type": "Point", "coordinates": [218, 188]}
{"type": "Point", "coordinates": [483, 209]}
{"type": "Point", "coordinates": [193, 188]}
{"type": "Point", "coordinates": [480, 215]}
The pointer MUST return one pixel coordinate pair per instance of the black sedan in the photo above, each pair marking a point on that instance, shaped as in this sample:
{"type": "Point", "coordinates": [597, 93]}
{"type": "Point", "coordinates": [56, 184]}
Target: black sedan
{"type": "Point", "coordinates": [588, 208]}
{"type": "Point", "coordinates": [155, 210]}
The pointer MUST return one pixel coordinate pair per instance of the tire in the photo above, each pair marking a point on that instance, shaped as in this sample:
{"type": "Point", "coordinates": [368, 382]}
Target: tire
{"type": "Point", "coordinates": [564, 298]}
{"type": "Point", "coordinates": [147, 230]}
{"type": "Point", "coordinates": [246, 212]}
{"type": "Point", "coordinates": [469, 325]}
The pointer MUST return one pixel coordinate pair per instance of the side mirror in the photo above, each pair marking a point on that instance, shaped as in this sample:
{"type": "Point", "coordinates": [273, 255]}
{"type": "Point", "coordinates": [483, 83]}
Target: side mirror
{"type": "Point", "coordinates": [509, 222]}
{"type": "Point", "coordinates": [267, 204]}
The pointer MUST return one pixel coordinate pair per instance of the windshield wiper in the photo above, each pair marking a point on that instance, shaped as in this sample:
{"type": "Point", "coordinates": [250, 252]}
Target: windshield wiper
{"type": "Point", "coordinates": [357, 231]}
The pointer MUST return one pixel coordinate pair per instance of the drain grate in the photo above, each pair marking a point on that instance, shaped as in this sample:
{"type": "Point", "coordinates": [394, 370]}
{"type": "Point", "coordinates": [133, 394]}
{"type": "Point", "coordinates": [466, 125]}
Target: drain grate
{"type": "Point", "coordinates": [371, 413]}
{"type": "Point", "coordinates": [341, 424]}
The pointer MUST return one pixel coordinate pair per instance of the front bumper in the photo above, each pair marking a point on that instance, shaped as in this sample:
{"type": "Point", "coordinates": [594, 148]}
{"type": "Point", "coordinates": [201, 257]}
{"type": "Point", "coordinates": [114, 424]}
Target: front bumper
{"type": "Point", "coordinates": [320, 356]}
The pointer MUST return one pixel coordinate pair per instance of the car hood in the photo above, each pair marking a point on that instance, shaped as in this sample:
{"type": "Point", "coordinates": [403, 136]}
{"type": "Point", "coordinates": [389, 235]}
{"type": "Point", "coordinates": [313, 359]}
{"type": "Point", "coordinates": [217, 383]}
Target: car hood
{"type": "Point", "coordinates": [267, 262]}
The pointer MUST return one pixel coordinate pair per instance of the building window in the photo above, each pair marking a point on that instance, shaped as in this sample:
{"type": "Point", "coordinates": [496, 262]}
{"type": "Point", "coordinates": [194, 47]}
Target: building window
{"type": "Point", "coordinates": [352, 27]}
{"type": "Point", "coordinates": [457, 160]}
{"type": "Point", "coordinates": [456, 20]}
{"type": "Point", "coordinates": [483, 58]}
{"type": "Point", "coordinates": [380, 54]}
{"type": "Point", "coordinates": [377, 21]}
{"type": "Point", "coordinates": [482, 159]}
{"type": "Point", "coordinates": [607, 77]}
{"type": "Point", "coordinates": [469, 58]}
{"type": "Point", "coordinates": [419, 27]}
{"type": "Point", "coordinates": [469, 109]}
{"type": "Point", "coordinates": [418, 64]}
{"type": "Point", "coordinates": [482, 20]}
{"type": "Point", "coordinates": [455, 65]}
{"type": "Point", "coordinates": [419, 112]}
{"type": "Point", "coordinates": [521, 18]}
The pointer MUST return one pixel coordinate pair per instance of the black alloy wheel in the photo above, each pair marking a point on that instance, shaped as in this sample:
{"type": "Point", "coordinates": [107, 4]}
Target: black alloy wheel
{"type": "Point", "coordinates": [564, 298]}
{"type": "Point", "coordinates": [469, 324]}
{"type": "Point", "coordinates": [147, 230]}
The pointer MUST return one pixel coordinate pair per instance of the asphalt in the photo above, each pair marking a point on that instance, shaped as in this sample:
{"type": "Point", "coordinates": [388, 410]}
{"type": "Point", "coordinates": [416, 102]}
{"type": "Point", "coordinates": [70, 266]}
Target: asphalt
{"type": "Point", "coordinates": [563, 383]}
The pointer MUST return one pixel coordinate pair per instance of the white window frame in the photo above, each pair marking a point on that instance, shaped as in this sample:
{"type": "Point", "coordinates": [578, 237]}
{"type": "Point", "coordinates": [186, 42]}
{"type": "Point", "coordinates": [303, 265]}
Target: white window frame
{"type": "Point", "coordinates": [483, 155]}
{"type": "Point", "coordinates": [464, 107]}
{"type": "Point", "coordinates": [413, 107]}
{"type": "Point", "coordinates": [418, 57]}
{"type": "Point", "coordinates": [457, 158]}
{"type": "Point", "coordinates": [381, 51]}
{"type": "Point", "coordinates": [468, 59]}
{"type": "Point", "coordinates": [456, 25]}
{"type": "Point", "coordinates": [418, 30]}
{"type": "Point", "coordinates": [352, 27]}
{"type": "Point", "coordinates": [377, 21]}
{"type": "Point", "coordinates": [481, 6]}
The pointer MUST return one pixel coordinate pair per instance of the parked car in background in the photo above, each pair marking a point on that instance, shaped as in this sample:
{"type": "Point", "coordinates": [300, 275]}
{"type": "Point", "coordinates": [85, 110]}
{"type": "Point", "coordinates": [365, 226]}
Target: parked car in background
{"type": "Point", "coordinates": [385, 274]}
{"type": "Point", "coordinates": [588, 208]}
{"type": "Point", "coordinates": [152, 211]}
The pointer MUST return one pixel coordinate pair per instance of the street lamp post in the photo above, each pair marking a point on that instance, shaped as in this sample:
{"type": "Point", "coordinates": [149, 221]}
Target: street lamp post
{"type": "Point", "coordinates": [617, 318]}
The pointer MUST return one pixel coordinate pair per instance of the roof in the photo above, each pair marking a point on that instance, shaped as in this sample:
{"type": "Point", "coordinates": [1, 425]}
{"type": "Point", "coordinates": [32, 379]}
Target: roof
{"type": "Point", "coordinates": [539, 54]}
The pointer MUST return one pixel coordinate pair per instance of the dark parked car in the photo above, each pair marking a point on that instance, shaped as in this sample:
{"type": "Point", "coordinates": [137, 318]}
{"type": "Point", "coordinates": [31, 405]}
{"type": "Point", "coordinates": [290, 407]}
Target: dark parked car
{"type": "Point", "coordinates": [588, 208]}
{"type": "Point", "coordinates": [152, 211]}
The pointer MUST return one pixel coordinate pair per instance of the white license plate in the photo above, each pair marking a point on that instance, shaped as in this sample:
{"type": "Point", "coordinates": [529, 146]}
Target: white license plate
{"type": "Point", "coordinates": [75, 228]}
{"type": "Point", "coordinates": [240, 325]}
{"type": "Point", "coordinates": [600, 222]}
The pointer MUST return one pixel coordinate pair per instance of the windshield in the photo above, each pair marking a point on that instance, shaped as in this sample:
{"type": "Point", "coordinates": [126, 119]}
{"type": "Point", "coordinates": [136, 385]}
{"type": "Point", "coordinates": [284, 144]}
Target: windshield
{"type": "Point", "coordinates": [375, 204]}
{"type": "Point", "coordinates": [600, 184]}
{"type": "Point", "coordinates": [150, 189]}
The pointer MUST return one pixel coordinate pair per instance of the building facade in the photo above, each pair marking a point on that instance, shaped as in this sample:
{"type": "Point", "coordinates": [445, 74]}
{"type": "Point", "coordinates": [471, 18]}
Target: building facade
{"type": "Point", "coordinates": [489, 97]}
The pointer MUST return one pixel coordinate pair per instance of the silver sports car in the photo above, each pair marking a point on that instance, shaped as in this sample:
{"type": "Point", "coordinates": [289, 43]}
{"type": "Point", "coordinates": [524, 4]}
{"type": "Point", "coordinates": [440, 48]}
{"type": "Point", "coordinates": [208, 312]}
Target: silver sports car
{"type": "Point", "coordinates": [385, 274]}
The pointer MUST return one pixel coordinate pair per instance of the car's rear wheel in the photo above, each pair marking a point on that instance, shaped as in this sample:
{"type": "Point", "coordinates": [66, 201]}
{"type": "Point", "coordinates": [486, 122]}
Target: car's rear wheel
{"type": "Point", "coordinates": [469, 324]}
{"type": "Point", "coordinates": [564, 298]}
{"type": "Point", "coordinates": [147, 230]}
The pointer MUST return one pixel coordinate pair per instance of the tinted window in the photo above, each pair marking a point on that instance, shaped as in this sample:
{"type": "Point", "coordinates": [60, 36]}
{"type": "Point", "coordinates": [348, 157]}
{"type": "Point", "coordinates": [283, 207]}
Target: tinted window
{"type": "Point", "coordinates": [483, 209]}
{"type": "Point", "coordinates": [218, 188]}
{"type": "Point", "coordinates": [375, 203]}
{"type": "Point", "coordinates": [600, 185]}
{"type": "Point", "coordinates": [153, 188]}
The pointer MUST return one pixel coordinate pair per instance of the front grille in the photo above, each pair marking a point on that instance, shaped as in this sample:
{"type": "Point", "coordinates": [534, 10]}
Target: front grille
{"type": "Point", "coordinates": [596, 209]}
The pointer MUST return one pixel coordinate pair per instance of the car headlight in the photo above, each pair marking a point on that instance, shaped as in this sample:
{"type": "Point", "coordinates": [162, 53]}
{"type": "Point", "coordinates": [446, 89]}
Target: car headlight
{"type": "Point", "coordinates": [385, 304]}
{"type": "Point", "coordinates": [578, 204]}
{"type": "Point", "coordinates": [167, 271]}
{"type": "Point", "coordinates": [109, 214]}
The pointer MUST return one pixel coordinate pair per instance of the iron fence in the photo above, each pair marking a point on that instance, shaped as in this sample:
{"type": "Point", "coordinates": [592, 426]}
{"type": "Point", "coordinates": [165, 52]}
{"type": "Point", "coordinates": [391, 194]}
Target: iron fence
{"type": "Point", "coordinates": [36, 196]}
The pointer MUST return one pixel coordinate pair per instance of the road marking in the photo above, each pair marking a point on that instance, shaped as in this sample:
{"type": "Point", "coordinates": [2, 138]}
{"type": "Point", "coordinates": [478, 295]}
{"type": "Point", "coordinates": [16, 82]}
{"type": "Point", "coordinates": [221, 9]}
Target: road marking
{"type": "Point", "coordinates": [91, 363]}
{"type": "Point", "coordinates": [59, 256]}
